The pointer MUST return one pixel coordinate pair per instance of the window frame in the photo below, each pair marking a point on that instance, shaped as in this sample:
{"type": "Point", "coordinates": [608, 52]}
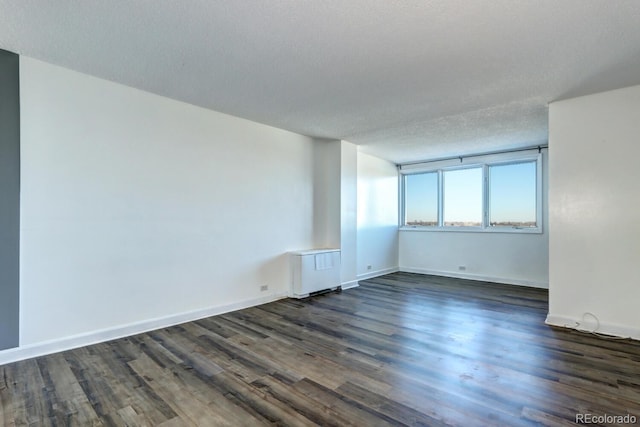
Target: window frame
{"type": "Point", "coordinates": [441, 198]}
{"type": "Point", "coordinates": [403, 187]}
{"type": "Point", "coordinates": [484, 162]}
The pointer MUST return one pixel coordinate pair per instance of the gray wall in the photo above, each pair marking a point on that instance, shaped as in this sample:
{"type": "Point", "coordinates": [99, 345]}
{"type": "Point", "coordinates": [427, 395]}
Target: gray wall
{"type": "Point", "coordinates": [9, 198]}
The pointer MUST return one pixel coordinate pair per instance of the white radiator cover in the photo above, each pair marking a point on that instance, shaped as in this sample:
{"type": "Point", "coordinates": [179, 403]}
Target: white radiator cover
{"type": "Point", "coordinates": [314, 270]}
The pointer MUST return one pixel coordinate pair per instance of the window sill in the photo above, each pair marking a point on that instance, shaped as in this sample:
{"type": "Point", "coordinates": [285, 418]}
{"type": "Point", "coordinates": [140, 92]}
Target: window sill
{"type": "Point", "coordinates": [509, 230]}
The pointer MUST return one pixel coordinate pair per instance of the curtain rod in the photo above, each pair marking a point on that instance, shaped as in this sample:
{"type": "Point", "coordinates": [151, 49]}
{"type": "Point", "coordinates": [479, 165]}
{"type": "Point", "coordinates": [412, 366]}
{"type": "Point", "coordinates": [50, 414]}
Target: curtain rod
{"type": "Point", "coordinates": [468, 156]}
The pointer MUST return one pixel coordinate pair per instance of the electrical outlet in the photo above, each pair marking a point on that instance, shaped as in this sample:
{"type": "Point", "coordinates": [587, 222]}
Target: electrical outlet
{"type": "Point", "coordinates": [264, 288]}
{"type": "Point", "coordinates": [369, 267]}
{"type": "Point", "coordinates": [462, 267]}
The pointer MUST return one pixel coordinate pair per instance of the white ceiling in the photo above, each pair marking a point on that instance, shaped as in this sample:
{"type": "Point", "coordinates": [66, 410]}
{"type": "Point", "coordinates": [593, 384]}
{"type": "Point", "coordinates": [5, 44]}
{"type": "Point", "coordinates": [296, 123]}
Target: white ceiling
{"type": "Point", "coordinates": [404, 79]}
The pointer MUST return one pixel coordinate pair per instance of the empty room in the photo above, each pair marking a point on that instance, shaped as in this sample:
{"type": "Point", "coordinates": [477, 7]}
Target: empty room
{"type": "Point", "coordinates": [366, 213]}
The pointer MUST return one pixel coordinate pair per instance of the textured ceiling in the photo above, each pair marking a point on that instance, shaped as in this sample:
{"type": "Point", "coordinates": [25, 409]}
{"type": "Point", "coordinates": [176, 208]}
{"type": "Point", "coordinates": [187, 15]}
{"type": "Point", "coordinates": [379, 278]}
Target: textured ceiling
{"type": "Point", "coordinates": [406, 80]}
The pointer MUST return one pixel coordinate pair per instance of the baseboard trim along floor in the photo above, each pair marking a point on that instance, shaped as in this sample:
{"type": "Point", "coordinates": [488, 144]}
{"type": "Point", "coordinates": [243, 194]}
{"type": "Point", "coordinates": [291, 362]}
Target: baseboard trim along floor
{"type": "Point", "coordinates": [94, 337]}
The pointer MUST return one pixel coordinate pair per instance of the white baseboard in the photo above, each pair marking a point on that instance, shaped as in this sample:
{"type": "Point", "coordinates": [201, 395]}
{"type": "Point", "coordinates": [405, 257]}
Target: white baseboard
{"type": "Point", "coordinates": [377, 273]}
{"type": "Point", "coordinates": [588, 324]}
{"type": "Point", "coordinates": [479, 277]}
{"type": "Point", "coordinates": [81, 340]}
{"type": "Point", "coordinates": [350, 284]}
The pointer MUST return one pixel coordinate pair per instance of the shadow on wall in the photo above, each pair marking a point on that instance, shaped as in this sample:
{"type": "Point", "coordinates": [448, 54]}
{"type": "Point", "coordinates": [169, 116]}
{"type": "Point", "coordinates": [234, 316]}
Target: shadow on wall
{"type": "Point", "coordinates": [9, 199]}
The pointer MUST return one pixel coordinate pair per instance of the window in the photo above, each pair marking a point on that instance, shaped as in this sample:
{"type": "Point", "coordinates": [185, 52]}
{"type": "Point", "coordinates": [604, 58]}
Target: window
{"type": "Point", "coordinates": [462, 201]}
{"type": "Point", "coordinates": [421, 194]}
{"type": "Point", "coordinates": [512, 195]}
{"type": "Point", "coordinates": [500, 192]}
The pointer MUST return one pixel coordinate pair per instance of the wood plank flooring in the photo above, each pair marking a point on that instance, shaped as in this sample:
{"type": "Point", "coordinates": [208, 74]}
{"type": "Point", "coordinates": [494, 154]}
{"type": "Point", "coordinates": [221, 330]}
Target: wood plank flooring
{"type": "Point", "coordinates": [402, 349]}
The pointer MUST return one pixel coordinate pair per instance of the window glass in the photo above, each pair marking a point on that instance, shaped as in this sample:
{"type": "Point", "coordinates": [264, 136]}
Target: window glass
{"type": "Point", "coordinates": [421, 199]}
{"type": "Point", "coordinates": [512, 195]}
{"type": "Point", "coordinates": [463, 197]}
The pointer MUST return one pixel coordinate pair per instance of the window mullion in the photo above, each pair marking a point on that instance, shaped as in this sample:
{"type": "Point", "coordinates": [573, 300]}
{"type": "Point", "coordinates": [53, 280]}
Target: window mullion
{"type": "Point", "coordinates": [402, 184]}
{"type": "Point", "coordinates": [440, 198]}
{"type": "Point", "coordinates": [485, 196]}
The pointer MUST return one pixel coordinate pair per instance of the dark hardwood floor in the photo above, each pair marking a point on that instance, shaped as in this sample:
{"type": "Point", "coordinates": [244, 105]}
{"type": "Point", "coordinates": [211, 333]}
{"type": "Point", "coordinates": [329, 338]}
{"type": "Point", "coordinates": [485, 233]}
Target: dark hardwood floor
{"type": "Point", "coordinates": [402, 349]}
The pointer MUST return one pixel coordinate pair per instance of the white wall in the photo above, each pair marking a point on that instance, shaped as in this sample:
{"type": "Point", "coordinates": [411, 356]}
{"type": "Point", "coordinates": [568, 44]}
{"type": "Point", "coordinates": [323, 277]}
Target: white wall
{"type": "Point", "coordinates": [138, 210]}
{"type": "Point", "coordinates": [521, 259]}
{"type": "Point", "coordinates": [377, 236]}
{"type": "Point", "coordinates": [326, 193]}
{"type": "Point", "coordinates": [335, 203]}
{"type": "Point", "coordinates": [348, 213]}
{"type": "Point", "coordinates": [594, 212]}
